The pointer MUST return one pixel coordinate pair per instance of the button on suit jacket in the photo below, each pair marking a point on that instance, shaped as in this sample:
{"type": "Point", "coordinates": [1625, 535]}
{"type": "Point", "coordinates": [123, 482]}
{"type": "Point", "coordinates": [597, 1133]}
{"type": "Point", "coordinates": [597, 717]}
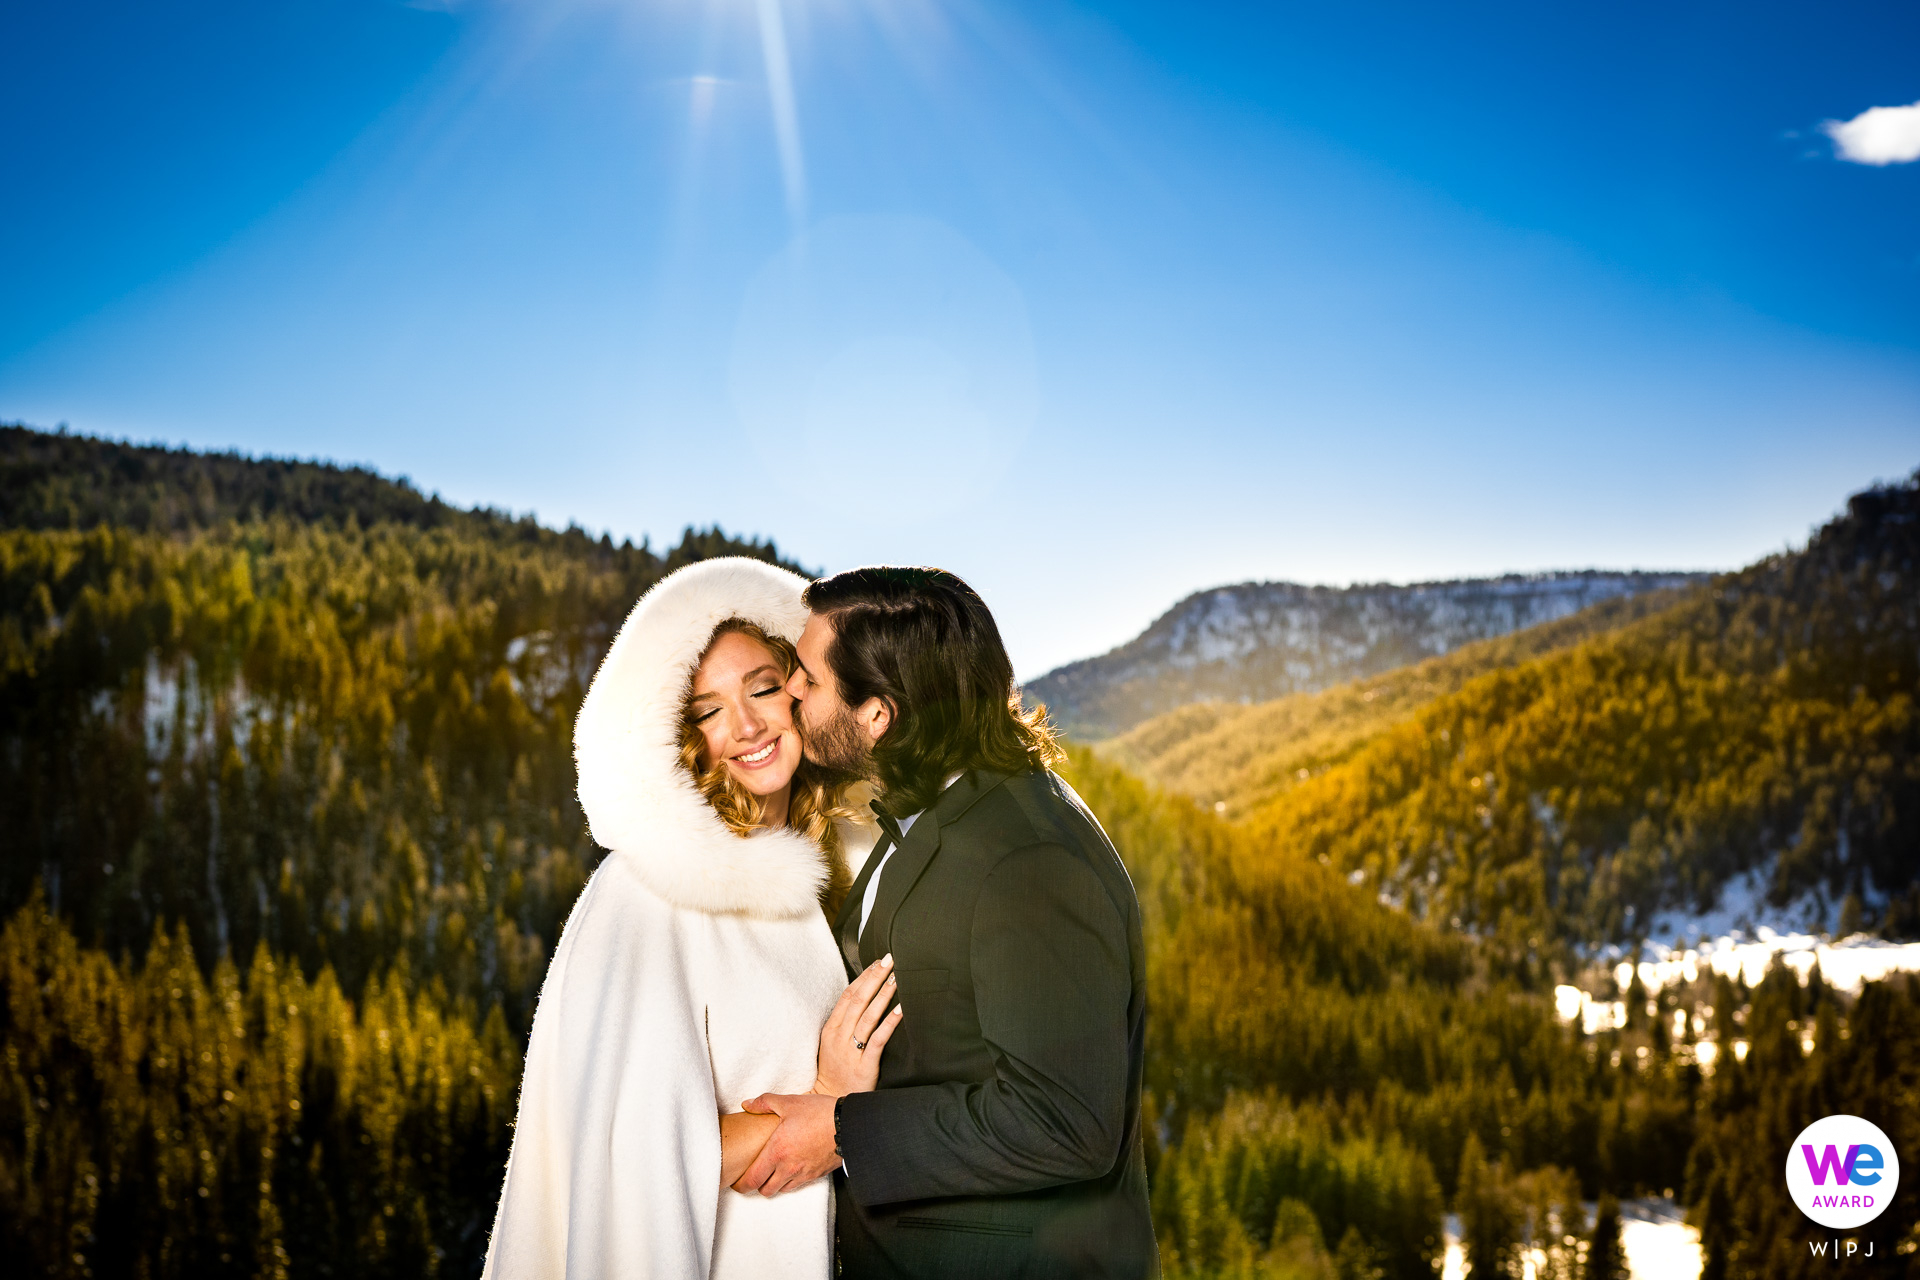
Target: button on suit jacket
{"type": "Point", "coordinates": [1004, 1138]}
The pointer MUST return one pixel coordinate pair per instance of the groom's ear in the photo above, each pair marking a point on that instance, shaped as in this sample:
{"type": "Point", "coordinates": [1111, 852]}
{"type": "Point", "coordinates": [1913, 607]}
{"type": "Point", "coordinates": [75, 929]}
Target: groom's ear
{"type": "Point", "coordinates": [876, 717]}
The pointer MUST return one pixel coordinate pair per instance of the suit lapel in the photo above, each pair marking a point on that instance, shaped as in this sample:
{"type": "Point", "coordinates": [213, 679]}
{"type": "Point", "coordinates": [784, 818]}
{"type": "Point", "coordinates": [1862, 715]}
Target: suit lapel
{"type": "Point", "coordinates": [910, 860]}
{"type": "Point", "coordinates": [902, 869]}
{"type": "Point", "coordinates": [846, 925]}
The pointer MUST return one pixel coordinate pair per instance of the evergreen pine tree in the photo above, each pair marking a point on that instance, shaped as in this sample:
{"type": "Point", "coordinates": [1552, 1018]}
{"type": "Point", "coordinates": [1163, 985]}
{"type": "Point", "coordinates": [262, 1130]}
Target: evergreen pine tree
{"type": "Point", "coordinates": [1606, 1258]}
{"type": "Point", "coordinates": [1490, 1226]}
{"type": "Point", "coordinates": [1355, 1259]}
{"type": "Point", "coordinates": [1713, 1215]}
{"type": "Point", "coordinates": [1851, 912]}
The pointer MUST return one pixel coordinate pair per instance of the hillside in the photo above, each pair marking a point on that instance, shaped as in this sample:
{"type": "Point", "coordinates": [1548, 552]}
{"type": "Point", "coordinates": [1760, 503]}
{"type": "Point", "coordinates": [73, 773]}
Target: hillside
{"type": "Point", "coordinates": [1308, 1044]}
{"type": "Point", "coordinates": [1589, 791]}
{"type": "Point", "coordinates": [1258, 641]}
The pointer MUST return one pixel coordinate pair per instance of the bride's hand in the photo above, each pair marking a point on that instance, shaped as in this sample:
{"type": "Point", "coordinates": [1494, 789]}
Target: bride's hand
{"type": "Point", "coordinates": [856, 1032]}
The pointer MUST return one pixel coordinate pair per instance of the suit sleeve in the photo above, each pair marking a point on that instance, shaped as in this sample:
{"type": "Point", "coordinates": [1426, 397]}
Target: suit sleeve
{"type": "Point", "coordinates": [615, 1167]}
{"type": "Point", "coordinates": [1051, 982]}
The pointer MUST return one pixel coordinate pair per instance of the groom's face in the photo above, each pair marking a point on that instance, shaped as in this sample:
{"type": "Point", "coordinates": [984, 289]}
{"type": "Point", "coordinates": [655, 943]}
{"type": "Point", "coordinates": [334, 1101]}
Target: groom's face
{"type": "Point", "coordinates": [833, 734]}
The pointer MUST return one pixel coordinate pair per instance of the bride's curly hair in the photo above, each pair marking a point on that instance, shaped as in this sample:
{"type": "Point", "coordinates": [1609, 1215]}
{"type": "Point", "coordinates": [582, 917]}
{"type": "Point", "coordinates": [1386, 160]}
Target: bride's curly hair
{"type": "Point", "coordinates": [816, 801]}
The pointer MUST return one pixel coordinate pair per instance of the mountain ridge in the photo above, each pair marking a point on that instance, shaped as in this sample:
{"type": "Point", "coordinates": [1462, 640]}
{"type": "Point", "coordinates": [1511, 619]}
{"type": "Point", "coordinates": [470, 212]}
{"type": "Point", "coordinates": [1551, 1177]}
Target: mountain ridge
{"type": "Point", "coordinates": [1252, 642]}
{"type": "Point", "coordinates": [65, 480]}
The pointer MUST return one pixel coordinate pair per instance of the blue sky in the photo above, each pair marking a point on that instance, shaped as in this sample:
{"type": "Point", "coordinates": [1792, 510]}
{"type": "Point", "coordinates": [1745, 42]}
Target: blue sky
{"type": "Point", "coordinates": [1096, 305]}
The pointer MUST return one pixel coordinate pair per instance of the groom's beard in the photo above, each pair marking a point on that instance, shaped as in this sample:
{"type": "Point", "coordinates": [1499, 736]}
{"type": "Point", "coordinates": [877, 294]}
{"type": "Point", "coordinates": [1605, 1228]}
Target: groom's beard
{"type": "Point", "coordinates": [837, 745]}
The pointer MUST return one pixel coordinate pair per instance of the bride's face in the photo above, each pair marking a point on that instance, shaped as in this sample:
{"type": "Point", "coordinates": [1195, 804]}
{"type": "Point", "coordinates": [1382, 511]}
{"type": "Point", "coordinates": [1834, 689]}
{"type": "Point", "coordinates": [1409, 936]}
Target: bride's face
{"type": "Point", "coordinates": [745, 717]}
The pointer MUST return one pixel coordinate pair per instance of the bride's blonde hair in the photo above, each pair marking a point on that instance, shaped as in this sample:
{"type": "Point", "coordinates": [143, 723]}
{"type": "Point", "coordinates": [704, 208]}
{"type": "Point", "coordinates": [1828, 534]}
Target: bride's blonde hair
{"type": "Point", "coordinates": [814, 804]}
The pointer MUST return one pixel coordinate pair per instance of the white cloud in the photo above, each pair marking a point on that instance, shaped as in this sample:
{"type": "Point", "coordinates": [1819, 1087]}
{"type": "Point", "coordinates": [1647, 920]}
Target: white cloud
{"type": "Point", "coordinates": [1878, 135]}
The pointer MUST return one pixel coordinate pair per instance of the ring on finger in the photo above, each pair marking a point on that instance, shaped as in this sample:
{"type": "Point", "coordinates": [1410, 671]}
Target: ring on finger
{"type": "Point", "coordinates": [861, 1045]}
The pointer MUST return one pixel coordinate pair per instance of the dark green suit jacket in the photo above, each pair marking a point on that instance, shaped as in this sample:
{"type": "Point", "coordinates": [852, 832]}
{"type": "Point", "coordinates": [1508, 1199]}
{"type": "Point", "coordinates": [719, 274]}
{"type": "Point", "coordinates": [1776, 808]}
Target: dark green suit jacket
{"type": "Point", "coordinates": [1004, 1139]}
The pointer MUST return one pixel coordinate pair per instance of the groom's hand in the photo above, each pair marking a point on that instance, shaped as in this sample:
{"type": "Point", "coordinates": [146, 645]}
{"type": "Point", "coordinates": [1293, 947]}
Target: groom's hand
{"type": "Point", "coordinates": [799, 1151]}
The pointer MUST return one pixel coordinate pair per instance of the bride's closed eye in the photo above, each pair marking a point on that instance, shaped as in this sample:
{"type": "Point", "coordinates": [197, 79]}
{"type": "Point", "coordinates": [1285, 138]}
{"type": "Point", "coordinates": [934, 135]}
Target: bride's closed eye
{"type": "Point", "coordinates": [703, 716]}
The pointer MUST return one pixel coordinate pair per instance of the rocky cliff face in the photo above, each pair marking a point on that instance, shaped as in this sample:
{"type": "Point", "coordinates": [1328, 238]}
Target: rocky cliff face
{"type": "Point", "coordinates": [1262, 640]}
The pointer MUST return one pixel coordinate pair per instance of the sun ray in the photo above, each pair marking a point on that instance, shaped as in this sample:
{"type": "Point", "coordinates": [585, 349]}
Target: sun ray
{"type": "Point", "coordinates": [786, 117]}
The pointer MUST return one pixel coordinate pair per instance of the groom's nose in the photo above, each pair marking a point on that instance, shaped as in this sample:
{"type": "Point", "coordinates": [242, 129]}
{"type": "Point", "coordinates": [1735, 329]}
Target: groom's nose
{"type": "Point", "coordinates": [797, 685]}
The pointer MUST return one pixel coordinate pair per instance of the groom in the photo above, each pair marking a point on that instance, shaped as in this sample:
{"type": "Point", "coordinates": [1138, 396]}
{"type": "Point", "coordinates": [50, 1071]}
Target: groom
{"type": "Point", "coordinates": [1004, 1138]}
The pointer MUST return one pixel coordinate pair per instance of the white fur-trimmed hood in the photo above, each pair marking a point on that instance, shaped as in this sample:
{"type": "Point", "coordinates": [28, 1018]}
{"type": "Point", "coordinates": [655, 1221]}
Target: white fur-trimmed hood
{"type": "Point", "coordinates": [626, 744]}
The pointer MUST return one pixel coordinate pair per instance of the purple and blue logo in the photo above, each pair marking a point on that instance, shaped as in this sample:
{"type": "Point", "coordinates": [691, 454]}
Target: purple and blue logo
{"type": "Point", "coordinates": [1842, 1172]}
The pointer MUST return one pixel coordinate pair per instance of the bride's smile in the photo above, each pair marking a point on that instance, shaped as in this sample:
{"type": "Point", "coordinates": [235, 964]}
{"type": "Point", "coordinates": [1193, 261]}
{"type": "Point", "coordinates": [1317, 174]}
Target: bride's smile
{"type": "Point", "coordinates": [754, 759]}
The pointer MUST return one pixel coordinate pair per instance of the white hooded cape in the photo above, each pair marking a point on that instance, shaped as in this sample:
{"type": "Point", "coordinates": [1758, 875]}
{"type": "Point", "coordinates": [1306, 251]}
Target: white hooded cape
{"type": "Point", "coordinates": [693, 973]}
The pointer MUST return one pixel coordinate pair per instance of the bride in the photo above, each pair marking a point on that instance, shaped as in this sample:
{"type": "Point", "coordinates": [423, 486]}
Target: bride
{"type": "Point", "coordinates": [697, 969]}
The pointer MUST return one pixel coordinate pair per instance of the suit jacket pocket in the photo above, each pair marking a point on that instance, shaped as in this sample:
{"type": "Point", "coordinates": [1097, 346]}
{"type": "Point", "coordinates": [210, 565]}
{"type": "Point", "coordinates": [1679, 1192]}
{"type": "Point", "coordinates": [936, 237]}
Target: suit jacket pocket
{"type": "Point", "coordinates": [918, 982]}
{"type": "Point", "coordinates": [969, 1225]}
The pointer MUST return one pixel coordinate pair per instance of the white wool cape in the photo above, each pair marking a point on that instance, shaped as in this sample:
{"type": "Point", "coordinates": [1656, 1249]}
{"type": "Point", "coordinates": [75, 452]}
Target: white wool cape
{"type": "Point", "coordinates": [693, 973]}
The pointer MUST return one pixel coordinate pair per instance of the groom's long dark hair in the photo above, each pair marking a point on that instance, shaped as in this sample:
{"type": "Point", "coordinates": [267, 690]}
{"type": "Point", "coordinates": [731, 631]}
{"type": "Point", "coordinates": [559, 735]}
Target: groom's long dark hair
{"type": "Point", "coordinates": [923, 642]}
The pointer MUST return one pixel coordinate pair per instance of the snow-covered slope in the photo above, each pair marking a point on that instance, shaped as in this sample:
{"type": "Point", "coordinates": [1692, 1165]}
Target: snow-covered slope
{"type": "Point", "coordinates": [1263, 640]}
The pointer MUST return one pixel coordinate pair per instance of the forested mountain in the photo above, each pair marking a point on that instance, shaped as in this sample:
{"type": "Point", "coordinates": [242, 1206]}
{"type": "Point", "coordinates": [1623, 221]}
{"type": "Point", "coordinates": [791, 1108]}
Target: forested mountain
{"type": "Point", "coordinates": [1767, 722]}
{"type": "Point", "coordinates": [1237, 757]}
{"type": "Point", "coordinates": [1321, 1066]}
{"type": "Point", "coordinates": [291, 832]}
{"type": "Point", "coordinates": [1260, 640]}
